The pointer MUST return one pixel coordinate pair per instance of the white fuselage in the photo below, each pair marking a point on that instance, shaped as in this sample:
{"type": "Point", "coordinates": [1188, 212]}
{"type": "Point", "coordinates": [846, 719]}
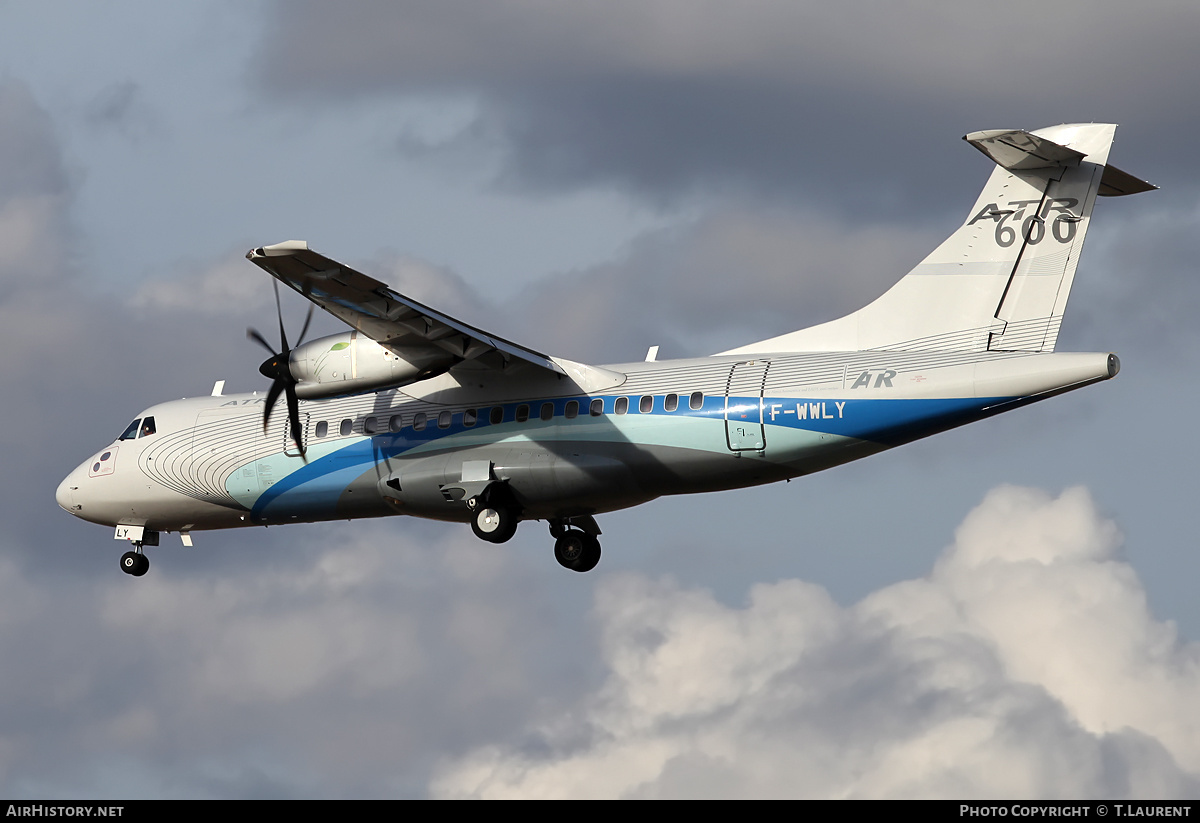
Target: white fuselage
{"type": "Point", "coordinates": [667, 427]}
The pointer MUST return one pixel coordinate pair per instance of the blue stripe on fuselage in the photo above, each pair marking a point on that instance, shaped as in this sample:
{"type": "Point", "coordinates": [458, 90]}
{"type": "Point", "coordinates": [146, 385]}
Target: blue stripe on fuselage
{"type": "Point", "coordinates": [881, 421]}
{"type": "Point", "coordinates": [316, 487]}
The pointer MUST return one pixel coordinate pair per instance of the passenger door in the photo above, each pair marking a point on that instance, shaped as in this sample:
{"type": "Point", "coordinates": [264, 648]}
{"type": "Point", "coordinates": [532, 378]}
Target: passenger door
{"type": "Point", "coordinates": [744, 406]}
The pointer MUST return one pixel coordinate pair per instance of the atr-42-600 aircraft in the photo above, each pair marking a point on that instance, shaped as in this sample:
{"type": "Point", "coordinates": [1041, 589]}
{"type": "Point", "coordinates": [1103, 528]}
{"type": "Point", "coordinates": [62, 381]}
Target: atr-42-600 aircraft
{"type": "Point", "coordinates": [413, 412]}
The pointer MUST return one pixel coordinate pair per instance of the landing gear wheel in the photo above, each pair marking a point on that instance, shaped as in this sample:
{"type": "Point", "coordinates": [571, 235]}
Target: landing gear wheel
{"type": "Point", "coordinates": [495, 524]}
{"type": "Point", "coordinates": [135, 564]}
{"type": "Point", "coordinates": [577, 551]}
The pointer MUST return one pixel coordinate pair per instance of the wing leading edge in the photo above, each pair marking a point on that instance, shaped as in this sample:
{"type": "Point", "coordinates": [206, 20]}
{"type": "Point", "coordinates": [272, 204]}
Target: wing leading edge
{"type": "Point", "coordinates": [392, 320]}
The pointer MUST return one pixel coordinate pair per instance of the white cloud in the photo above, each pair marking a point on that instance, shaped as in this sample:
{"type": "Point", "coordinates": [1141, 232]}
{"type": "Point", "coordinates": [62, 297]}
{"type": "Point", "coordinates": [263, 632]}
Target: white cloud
{"type": "Point", "coordinates": [234, 285]}
{"type": "Point", "coordinates": [230, 285]}
{"type": "Point", "coordinates": [1026, 664]}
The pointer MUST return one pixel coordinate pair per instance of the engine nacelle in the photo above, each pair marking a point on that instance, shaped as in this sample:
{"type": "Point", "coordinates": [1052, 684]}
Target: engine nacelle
{"type": "Point", "coordinates": [349, 363]}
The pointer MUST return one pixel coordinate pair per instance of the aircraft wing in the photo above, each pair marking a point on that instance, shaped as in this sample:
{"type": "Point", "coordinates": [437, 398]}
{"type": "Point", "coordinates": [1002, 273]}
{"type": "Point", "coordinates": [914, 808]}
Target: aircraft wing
{"type": "Point", "coordinates": [393, 320]}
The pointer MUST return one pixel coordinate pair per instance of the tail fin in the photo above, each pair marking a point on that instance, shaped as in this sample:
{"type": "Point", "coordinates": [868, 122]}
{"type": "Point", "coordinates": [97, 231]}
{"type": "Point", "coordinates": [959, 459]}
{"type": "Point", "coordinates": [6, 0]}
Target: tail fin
{"type": "Point", "coordinates": [1002, 280]}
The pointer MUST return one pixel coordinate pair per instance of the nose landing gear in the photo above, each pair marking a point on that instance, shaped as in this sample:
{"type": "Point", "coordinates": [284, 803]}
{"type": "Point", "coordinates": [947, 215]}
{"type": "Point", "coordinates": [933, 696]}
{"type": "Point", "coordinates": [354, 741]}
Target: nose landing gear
{"type": "Point", "coordinates": [135, 562]}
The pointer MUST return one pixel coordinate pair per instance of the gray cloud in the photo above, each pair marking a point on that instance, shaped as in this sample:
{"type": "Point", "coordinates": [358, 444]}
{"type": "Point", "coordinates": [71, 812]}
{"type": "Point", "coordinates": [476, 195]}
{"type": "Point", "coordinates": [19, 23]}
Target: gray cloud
{"type": "Point", "coordinates": [30, 160]}
{"type": "Point", "coordinates": [345, 660]}
{"type": "Point", "coordinates": [976, 681]}
{"type": "Point", "coordinates": [736, 274]}
{"type": "Point", "coordinates": [346, 673]}
{"type": "Point", "coordinates": [122, 107]}
{"type": "Point", "coordinates": [1141, 294]}
{"type": "Point", "coordinates": [666, 96]}
{"type": "Point", "coordinates": [34, 194]}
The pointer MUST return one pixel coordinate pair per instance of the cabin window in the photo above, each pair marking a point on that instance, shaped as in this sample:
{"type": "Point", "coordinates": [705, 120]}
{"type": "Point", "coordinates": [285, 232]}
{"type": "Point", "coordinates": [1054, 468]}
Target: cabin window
{"type": "Point", "coordinates": [622, 405]}
{"type": "Point", "coordinates": [396, 423]}
{"type": "Point", "coordinates": [597, 407]}
{"type": "Point", "coordinates": [646, 404]}
{"type": "Point", "coordinates": [547, 411]}
{"type": "Point", "coordinates": [496, 415]}
{"type": "Point", "coordinates": [572, 410]}
{"type": "Point", "coordinates": [522, 413]}
{"type": "Point", "coordinates": [469, 417]}
{"type": "Point", "coordinates": [419, 421]}
{"type": "Point", "coordinates": [131, 431]}
{"type": "Point", "coordinates": [322, 428]}
{"type": "Point", "coordinates": [445, 418]}
{"type": "Point", "coordinates": [696, 401]}
{"type": "Point", "coordinates": [346, 427]}
{"type": "Point", "coordinates": [371, 425]}
{"type": "Point", "coordinates": [671, 402]}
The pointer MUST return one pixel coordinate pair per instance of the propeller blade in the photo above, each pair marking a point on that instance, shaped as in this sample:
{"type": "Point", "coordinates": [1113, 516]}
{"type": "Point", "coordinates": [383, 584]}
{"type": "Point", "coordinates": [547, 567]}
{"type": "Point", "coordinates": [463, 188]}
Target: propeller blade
{"type": "Point", "coordinates": [254, 335]}
{"type": "Point", "coordinates": [279, 311]}
{"type": "Point", "coordinates": [282, 381]}
{"type": "Point", "coordinates": [276, 388]}
{"type": "Point", "coordinates": [304, 329]}
{"type": "Point", "coordinates": [293, 405]}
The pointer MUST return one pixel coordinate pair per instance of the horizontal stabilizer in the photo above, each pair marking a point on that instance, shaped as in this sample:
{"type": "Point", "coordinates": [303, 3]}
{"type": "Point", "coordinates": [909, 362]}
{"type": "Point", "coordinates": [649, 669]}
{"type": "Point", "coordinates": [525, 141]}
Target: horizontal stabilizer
{"type": "Point", "coordinates": [1116, 183]}
{"type": "Point", "coordinates": [1018, 150]}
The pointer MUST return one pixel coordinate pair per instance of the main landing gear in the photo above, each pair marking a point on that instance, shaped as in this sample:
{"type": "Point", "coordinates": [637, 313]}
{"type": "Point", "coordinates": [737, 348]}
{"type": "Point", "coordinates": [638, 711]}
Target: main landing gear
{"type": "Point", "coordinates": [495, 513]}
{"type": "Point", "coordinates": [576, 549]}
{"type": "Point", "coordinates": [135, 562]}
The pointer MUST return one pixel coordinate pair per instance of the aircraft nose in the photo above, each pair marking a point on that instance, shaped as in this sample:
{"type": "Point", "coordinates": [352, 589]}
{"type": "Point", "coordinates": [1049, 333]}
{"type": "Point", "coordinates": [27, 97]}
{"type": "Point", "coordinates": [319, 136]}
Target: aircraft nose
{"type": "Point", "coordinates": [65, 494]}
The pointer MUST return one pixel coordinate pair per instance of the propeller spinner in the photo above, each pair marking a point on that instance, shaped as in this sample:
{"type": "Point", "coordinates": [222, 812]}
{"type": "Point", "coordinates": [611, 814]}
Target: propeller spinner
{"type": "Point", "coordinates": [276, 369]}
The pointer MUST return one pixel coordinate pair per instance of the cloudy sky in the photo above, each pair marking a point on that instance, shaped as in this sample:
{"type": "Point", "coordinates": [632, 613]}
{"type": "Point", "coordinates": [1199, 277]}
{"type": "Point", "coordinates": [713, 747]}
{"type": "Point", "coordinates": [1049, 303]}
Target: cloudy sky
{"type": "Point", "coordinates": [1006, 610]}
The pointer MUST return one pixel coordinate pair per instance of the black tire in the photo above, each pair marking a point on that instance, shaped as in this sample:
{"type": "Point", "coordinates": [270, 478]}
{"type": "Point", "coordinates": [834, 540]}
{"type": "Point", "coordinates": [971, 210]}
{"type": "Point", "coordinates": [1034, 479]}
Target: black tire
{"type": "Point", "coordinates": [495, 524]}
{"type": "Point", "coordinates": [143, 566]}
{"type": "Point", "coordinates": [577, 551]}
{"type": "Point", "coordinates": [591, 554]}
{"type": "Point", "coordinates": [569, 550]}
{"type": "Point", "coordinates": [130, 563]}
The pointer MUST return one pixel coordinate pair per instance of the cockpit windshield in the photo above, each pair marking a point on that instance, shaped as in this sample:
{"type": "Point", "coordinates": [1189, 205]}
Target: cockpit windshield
{"type": "Point", "coordinates": [142, 427]}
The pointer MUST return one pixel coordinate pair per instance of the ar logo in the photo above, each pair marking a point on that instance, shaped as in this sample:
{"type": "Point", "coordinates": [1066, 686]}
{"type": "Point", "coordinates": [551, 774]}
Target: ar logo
{"type": "Point", "coordinates": [883, 377]}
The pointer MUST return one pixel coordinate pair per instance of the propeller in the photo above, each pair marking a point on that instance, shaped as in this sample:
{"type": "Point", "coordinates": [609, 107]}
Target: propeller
{"type": "Point", "coordinates": [276, 369]}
